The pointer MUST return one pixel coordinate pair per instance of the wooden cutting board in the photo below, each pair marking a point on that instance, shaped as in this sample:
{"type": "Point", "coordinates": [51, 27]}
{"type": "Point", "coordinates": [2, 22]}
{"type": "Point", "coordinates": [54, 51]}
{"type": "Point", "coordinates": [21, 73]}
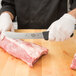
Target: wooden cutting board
{"type": "Point", "coordinates": [56, 63]}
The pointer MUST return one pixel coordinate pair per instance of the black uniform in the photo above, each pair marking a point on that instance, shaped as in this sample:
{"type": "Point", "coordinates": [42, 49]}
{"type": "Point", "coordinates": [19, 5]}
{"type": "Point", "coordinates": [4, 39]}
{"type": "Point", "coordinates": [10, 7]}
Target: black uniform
{"type": "Point", "coordinates": [36, 14]}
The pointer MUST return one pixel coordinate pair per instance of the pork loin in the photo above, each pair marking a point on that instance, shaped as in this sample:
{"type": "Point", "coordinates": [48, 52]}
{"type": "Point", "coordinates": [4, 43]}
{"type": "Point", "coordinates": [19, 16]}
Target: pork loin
{"type": "Point", "coordinates": [26, 51]}
{"type": "Point", "coordinates": [73, 65]}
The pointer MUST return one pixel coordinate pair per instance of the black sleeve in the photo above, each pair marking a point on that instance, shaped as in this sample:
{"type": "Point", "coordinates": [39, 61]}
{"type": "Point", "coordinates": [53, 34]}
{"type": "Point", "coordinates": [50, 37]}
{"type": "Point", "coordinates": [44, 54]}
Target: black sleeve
{"type": "Point", "coordinates": [73, 4]}
{"type": "Point", "coordinates": [8, 5]}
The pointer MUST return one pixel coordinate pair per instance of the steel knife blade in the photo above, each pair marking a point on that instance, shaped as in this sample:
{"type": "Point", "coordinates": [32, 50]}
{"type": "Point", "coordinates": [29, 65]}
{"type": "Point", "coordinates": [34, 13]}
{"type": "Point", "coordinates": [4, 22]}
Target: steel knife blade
{"type": "Point", "coordinates": [17, 35]}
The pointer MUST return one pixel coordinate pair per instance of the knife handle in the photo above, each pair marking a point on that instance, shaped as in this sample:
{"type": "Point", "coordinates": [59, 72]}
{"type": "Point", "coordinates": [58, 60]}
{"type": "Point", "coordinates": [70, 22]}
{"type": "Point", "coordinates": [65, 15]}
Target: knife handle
{"type": "Point", "coordinates": [72, 35]}
{"type": "Point", "coordinates": [46, 35]}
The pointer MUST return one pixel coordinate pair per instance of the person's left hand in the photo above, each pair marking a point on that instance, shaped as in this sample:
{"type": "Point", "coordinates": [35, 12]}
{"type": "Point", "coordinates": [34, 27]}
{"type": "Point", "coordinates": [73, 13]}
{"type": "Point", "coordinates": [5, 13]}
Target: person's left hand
{"type": "Point", "coordinates": [5, 24]}
{"type": "Point", "coordinates": [62, 29]}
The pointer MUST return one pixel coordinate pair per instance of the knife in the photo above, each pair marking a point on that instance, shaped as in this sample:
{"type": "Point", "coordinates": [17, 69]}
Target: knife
{"type": "Point", "coordinates": [17, 35]}
{"type": "Point", "coordinates": [40, 35]}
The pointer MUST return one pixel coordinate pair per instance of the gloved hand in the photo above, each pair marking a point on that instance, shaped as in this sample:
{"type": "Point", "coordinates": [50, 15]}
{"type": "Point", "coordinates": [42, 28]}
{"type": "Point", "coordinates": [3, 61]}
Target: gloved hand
{"type": "Point", "coordinates": [5, 23]}
{"type": "Point", "coordinates": [62, 29]}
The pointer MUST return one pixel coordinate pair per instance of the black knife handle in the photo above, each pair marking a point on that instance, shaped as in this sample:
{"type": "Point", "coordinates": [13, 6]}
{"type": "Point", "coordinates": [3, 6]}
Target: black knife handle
{"type": "Point", "coordinates": [46, 35]}
{"type": "Point", "coordinates": [72, 35]}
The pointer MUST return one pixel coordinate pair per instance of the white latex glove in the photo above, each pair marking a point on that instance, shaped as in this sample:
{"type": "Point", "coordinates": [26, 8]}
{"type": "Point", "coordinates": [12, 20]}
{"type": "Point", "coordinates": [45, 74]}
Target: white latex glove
{"type": "Point", "coordinates": [5, 23]}
{"type": "Point", "coordinates": [62, 29]}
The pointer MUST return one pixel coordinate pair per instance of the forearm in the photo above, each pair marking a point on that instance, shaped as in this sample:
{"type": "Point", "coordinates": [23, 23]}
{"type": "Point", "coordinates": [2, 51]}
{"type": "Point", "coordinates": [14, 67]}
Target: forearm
{"type": "Point", "coordinates": [11, 15]}
{"type": "Point", "coordinates": [9, 7]}
{"type": "Point", "coordinates": [73, 13]}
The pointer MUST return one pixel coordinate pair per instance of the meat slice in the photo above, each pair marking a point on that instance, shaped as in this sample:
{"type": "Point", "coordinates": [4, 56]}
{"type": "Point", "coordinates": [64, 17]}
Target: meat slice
{"type": "Point", "coordinates": [26, 51]}
{"type": "Point", "coordinates": [73, 65]}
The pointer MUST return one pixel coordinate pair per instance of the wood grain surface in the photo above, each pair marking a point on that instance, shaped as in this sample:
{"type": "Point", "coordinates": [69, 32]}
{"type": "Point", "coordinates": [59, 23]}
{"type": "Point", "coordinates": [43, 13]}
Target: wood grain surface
{"type": "Point", "coordinates": [56, 63]}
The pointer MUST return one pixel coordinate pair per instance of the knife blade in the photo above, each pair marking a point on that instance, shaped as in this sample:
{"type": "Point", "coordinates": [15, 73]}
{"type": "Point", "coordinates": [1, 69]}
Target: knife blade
{"type": "Point", "coordinates": [17, 35]}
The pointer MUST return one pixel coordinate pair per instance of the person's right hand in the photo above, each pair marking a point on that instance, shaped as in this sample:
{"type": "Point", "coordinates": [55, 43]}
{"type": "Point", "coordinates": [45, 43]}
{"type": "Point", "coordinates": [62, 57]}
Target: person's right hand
{"type": "Point", "coordinates": [62, 28]}
{"type": "Point", "coordinates": [5, 23]}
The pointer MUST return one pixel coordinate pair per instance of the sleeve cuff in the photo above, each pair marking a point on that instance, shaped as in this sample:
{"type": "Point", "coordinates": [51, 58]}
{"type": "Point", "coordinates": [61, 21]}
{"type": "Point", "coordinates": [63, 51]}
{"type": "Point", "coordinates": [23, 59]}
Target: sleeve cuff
{"type": "Point", "coordinates": [73, 6]}
{"type": "Point", "coordinates": [10, 9]}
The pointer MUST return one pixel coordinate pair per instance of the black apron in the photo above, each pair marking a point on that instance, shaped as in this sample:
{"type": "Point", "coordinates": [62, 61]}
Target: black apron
{"type": "Point", "coordinates": [39, 14]}
{"type": "Point", "coordinates": [35, 14]}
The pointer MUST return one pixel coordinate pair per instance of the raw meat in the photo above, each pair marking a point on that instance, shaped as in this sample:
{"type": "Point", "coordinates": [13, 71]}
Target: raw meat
{"type": "Point", "coordinates": [73, 65]}
{"type": "Point", "coordinates": [26, 51]}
